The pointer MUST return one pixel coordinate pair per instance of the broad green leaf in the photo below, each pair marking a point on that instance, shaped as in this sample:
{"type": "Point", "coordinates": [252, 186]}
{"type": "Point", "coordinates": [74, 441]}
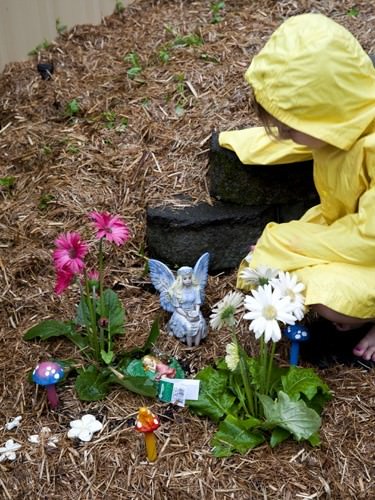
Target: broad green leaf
{"type": "Point", "coordinates": [294, 416]}
{"type": "Point", "coordinates": [48, 328]}
{"type": "Point", "coordinates": [215, 400]}
{"type": "Point", "coordinates": [114, 311]}
{"type": "Point", "coordinates": [83, 317]}
{"type": "Point", "coordinates": [139, 385]}
{"type": "Point", "coordinates": [258, 375]}
{"type": "Point", "coordinates": [278, 436]}
{"type": "Point", "coordinates": [314, 439]}
{"type": "Point", "coordinates": [92, 384]}
{"type": "Point", "coordinates": [235, 435]}
{"type": "Point", "coordinates": [303, 381]}
{"type": "Point", "coordinates": [107, 356]}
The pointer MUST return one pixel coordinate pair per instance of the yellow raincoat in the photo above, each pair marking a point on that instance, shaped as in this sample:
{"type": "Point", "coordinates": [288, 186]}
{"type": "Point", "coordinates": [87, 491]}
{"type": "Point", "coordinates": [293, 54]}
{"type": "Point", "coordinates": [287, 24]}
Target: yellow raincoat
{"type": "Point", "coordinates": [314, 76]}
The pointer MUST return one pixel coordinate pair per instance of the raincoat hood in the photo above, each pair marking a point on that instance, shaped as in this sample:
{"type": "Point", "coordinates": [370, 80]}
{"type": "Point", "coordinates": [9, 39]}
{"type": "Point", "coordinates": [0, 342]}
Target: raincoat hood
{"type": "Point", "coordinates": [314, 76]}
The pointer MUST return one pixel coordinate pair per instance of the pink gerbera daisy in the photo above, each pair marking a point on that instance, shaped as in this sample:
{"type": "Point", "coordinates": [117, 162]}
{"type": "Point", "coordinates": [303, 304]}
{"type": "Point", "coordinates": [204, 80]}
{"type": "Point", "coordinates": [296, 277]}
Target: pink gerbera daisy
{"type": "Point", "coordinates": [63, 280]}
{"type": "Point", "coordinates": [70, 252]}
{"type": "Point", "coordinates": [110, 227]}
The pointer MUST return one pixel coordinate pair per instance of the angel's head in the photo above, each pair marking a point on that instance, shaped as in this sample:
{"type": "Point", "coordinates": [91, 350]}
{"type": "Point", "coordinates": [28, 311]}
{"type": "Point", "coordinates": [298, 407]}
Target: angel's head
{"type": "Point", "coordinates": [185, 276]}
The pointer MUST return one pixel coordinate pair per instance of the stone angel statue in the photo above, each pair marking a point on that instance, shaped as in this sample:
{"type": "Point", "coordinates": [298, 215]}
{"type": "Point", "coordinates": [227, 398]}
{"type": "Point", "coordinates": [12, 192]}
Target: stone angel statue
{"type": "Point", "coordinates": [183, 297]}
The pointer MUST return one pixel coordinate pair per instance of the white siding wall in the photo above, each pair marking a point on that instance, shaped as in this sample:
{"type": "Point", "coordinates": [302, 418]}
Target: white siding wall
{"type": "Point", "coordinates": [24, 24]}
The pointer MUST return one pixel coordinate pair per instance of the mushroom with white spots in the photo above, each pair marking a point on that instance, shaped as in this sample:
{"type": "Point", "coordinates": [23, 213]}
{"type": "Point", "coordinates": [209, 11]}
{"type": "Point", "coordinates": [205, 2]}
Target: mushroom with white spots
{"type": "Point", "coordinates": [49, 373]}
{"type": "Point", "coordinates": [297, 334]}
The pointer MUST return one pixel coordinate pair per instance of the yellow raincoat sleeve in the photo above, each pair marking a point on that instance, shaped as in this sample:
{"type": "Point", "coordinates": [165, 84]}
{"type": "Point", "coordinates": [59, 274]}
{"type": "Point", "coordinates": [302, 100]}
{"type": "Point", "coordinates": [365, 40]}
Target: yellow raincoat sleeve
{"type": "Point", "coordinates": [348, 240]}
{"type": "Point", "coordinates": [254, 146]}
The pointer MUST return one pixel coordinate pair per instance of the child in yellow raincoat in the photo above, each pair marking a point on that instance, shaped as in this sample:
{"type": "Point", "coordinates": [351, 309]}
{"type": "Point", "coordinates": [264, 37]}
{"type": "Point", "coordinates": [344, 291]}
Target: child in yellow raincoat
{"type": "Point", "coordinates": [314, 87]}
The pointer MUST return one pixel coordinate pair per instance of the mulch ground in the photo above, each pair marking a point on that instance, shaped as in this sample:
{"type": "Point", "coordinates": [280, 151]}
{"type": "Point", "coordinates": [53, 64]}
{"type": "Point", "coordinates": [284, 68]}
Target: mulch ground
{"type": "Point", "coordinates": [137, 142]}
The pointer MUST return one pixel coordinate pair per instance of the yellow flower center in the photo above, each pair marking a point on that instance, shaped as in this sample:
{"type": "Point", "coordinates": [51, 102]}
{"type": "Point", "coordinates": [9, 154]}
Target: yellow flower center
{"type": "Point", "coordinates": [269, 312]}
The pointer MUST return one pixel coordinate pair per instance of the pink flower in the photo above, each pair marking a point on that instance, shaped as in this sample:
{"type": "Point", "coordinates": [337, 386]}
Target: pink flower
{"type": "Point", "coordinates": [93, 275]}
{"type": "Point", "coordinates": [63, 280]}
{"type": "Point", "coordinates": [110, 227]}
{"type": "Point", "coordinates": [70, 253]}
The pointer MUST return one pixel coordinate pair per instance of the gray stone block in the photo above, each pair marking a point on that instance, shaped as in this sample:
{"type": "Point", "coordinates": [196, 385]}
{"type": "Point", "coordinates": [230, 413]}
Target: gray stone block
{"type": "Point", "coordinates": [179, 236]}
{"type": "Point", "coordinates": [231, 181]}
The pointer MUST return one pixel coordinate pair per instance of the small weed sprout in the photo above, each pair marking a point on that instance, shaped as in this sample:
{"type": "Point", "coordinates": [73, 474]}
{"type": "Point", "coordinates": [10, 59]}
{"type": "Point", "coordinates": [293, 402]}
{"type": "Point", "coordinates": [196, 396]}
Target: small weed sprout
{"type": "Point", "coordinates": [136, 67]}
{"type": "Point", "coordinates": [42, 46]}
{"type": "Point", "coordinates": [72, 108]}
{"type": "Point", "coordinates": [60, 28]}
{"type": "Point", "coordinates": [44, 200]}
{"type": "Point", "coordinates": [216, 11]}
{"type": "Point", "coordinates": [191, 40]}
{"type": "Point", "coordinates": [119, 7]}
{"type": "Point", "coordinates": [7, 182]}
{"type": "Point", "coordinates": [164, 55]}
{"type": "Point", "coordinates": [353, 12]}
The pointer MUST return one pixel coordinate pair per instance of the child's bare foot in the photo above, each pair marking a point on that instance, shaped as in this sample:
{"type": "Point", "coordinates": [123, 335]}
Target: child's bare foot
{"type": "Point", "coordinates": [366, 347]}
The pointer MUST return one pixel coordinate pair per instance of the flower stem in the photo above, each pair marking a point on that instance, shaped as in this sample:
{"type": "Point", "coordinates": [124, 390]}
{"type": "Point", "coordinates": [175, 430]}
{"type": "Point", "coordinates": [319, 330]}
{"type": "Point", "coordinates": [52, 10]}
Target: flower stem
{"type": "Point", "coordinates": [92, 330]}
{"type": "Point", "coordinates": [269, 368]}
{"type": "Point", "coordinates": [245, 376]}
{"type": "Point", "coordinates": [101, 294]}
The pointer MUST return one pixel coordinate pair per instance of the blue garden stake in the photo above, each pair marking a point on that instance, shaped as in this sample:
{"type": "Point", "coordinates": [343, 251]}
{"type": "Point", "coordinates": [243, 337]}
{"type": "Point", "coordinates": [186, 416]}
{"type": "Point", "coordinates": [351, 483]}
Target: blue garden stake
{"type": "Point", "coordinates": [297, 334]}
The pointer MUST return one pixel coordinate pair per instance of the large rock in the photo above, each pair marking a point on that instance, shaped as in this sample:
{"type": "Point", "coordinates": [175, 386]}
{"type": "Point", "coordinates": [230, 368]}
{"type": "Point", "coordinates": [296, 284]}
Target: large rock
{"type": "Point", "coordinates": [179, 236]}
{"type": "Point", "coordinates": [231, 181]}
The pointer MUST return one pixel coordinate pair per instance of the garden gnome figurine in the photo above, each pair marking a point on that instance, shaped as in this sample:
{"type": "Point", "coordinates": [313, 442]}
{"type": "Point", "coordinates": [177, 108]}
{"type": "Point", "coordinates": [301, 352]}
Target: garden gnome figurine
{"type": "Point", "coordinates": [183, 297]}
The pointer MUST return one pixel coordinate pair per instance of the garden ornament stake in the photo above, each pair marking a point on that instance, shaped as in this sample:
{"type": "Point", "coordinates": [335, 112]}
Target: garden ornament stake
{"type": "Point", "coordinates": [183, 297]}
{"type": "Point", "coordinates": [147, 423]}
{"type": "Point", "coordinates": [297, 334]}
{"type": "Point", "coordinates": [48, 373]}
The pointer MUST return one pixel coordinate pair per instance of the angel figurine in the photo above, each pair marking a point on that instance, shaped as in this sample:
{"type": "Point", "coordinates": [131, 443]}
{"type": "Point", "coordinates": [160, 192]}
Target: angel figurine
{"type": "Point", "coordinates": [183, 297]}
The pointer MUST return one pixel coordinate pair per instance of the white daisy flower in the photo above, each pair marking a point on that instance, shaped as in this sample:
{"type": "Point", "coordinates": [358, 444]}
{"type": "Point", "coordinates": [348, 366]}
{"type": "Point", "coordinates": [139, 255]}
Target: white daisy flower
{"type": "Point", "coordinates": [288, 286]}
{"type": "Point", "coordinates": [259, 276]}
{"type": "Point", "coordinates": [84, 428]}
{"type": "Point", "coordinates": [223, 312]}
{"type": "Point", "coordinates": [8, 452]}
{"type": "Point", "coordinates": [266, 308]}
{"type": "Point", "coordinates": [232, 357]}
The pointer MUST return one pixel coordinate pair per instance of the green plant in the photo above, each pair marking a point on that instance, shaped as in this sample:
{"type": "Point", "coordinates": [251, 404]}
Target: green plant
{"type": "Point", "coordinates": [191, 40]}
{"type": "Point", "coordinates": [164, 55]}
{"type": "Point", "coordinates": [7, 182]}
{"type": "Point", "coordinates": [252, 399]}
{"type": "Point", "coordinates": [136, 68]}
{"type": "Point", "coordinates": [72, 108]}
{"type": "Point", "coordinates": [99, 318]}
{"type": "Point", "coordinates": [46, 150]}
{"type": "Point", "coordinates": [44, 200]}
{"type": "Point", "coordinates": [109, 118]}
{"type": "Point", "coordinates": [353, 12]}
{"type": "Point", "coordinates": [216, 10]}
{"type": "Point", "coordinates": [72, 148]}
{"type": "Point", "coordinates": [42, 46]}
{"type": "Point", "coordinates": [119, 7]}
{"type": "Point", "coordinates": [60, 28]}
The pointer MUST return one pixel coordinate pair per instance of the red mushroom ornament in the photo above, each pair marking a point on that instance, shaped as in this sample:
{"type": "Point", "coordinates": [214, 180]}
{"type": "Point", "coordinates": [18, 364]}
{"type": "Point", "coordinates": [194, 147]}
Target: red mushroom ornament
{"type": "Point", "coordinates": [48, 373]}
{"type": "Point", "coordinates": [147, 423]}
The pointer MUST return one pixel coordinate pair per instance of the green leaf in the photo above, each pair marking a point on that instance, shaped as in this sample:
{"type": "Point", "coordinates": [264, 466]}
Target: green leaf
{"type": "Point", "coordinates": [92, 384]}
{"type": "Point", "coordinates": [8, 181]}
{"type": "Point", "coordinates": [215, 400]}
{"type": "Point", "coordinates": [235, 435]}
{"type": "Point", "coordinates": [303, 381]}
{"type": "Point", "coordinates": [83, 317]}
{"type": "Point", "coordinates": [107, 356]}
{"type": "Point", "coordinates": [278, 436]}
{"type": "Point", "coordinates": [114, 311]}
{"type": "Point", "coordinates": [49, 328]}
{"type": "Point", "coordinates": [258, 375]}
{"type": "Point", "coordinates": [314, 439]}
{"type": "Point", "coordinates": [294, 416]}
{"type": "Point", "coordinates": [140, 385]}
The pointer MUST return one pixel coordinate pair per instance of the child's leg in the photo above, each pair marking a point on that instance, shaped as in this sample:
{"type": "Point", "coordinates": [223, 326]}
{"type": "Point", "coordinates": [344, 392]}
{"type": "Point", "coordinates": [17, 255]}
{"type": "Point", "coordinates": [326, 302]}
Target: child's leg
{"type": "Point", "coordinates": [366, 347]}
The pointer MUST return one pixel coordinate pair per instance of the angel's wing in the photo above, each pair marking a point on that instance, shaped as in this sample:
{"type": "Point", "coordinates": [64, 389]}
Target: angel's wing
{"type": "Point", "coordinates": [162, 278]}
{"type": "Point", "coordinates": [200, 273]}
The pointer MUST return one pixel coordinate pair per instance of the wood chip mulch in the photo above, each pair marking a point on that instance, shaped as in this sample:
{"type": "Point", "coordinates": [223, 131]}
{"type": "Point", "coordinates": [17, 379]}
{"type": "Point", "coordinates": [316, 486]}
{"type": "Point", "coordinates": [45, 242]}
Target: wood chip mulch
{"type": "Point", "coordinates": [137, 142]}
